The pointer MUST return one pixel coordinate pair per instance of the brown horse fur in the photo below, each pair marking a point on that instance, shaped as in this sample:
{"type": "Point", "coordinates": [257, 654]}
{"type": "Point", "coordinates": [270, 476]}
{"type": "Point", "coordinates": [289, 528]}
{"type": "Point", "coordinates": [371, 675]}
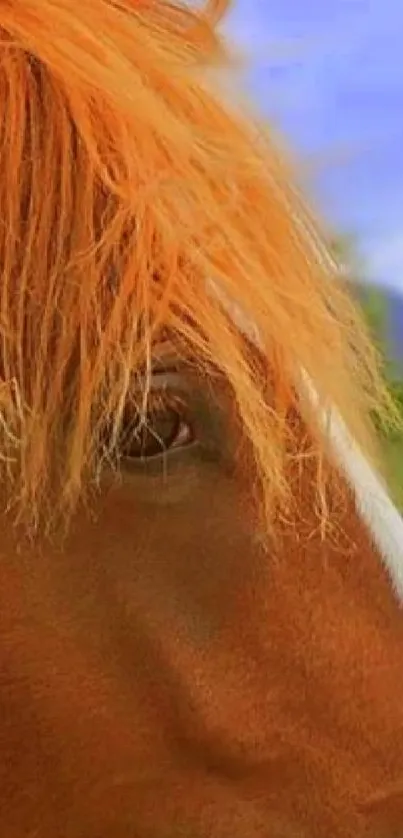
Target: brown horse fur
{"type": "Point", "coordinates": [241, 675]}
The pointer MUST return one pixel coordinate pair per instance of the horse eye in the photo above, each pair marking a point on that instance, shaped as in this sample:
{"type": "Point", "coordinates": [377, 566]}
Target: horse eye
{"type": "Point", "coordinates": [163, 428]}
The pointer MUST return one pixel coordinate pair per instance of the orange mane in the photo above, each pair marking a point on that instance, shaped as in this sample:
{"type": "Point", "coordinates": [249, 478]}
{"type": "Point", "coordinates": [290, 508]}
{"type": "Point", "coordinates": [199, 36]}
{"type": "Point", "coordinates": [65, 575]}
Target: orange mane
{"type": "Point", "coordinates": [127, 191]}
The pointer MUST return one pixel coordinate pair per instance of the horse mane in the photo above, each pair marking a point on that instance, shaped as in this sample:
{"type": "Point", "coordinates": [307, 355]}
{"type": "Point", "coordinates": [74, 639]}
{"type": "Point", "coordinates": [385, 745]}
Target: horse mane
{"type": "Point", "coordinates": [129, 191]}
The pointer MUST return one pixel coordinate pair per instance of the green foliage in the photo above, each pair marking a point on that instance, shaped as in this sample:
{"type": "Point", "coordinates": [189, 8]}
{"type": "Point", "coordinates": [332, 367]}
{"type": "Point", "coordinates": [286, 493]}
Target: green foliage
{"type": "Point", "coordinates": [397, 392]}
{"type": "Point", "coordinates": [375, 309]}
{"type": "Point", "coordinates": [371, 299]}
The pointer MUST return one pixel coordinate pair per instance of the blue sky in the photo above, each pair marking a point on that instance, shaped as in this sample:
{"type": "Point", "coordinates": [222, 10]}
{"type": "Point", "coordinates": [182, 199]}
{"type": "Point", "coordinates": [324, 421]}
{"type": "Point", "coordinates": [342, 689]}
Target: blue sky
{"type": "Point", "coordinates": [330, 75]}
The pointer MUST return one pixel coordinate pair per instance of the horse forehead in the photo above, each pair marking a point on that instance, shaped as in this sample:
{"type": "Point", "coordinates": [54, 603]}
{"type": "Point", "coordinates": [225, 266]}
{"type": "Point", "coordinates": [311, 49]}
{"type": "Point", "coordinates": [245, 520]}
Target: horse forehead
{"type": "Point", "coordinates": [374, 505]}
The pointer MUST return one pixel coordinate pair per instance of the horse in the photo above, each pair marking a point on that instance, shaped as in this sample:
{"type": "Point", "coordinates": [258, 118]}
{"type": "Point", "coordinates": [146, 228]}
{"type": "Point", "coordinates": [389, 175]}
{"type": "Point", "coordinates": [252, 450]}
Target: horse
{"type": "Point", "coordinates": [201, 570]}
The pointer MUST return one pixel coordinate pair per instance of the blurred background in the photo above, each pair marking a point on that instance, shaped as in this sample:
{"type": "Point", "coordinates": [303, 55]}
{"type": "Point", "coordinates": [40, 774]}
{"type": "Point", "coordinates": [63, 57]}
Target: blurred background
{"type": "Point", "coordinates": [329, 74]}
